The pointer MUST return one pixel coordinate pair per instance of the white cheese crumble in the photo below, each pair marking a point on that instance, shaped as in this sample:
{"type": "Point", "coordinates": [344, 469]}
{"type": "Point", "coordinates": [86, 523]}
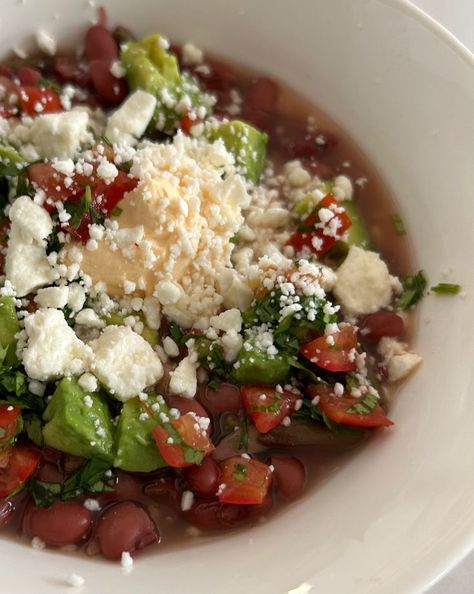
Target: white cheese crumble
{"type": "Point", "coordinates": [53, 350]}
{"type": "Point", "coordinates": [46, 42]}
{"type": "Point", "coordinates": [364, 284]}
{"type": "Point", "coordinates": [129, 122]}
{"type": "Point", "coordinates": [125, 362]}
{"type": "Point", "coordinates": [187, 500]}
{"type": "Point", "coordinates": [60, 135]}
{"type": "Point", "coordinates": [184, 379]}
{"type": "Point", "coordinates": [52, 297]}
{"type": "Point", "coordinates": [126, 561]}
{"type": "Point", "coordinates": [75, 580]}
{"type": "Point", "coordinates": [192, 54]}
{"type": "Point", "coordinates": [170, 347]}
{"type": "Point", "coordinates": [398, 361]}
{"type": "Point", "coordinates": [88, 382]}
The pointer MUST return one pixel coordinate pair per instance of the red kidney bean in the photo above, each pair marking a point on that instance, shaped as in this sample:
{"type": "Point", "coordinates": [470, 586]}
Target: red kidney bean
{"type": "Point", "coordinates": [259, 101]}
{"type": "Point", "coordinates": [203, 479]}
{"type": "Point", "coordinates": [112, 89]}
{"type": "Point", "coordinates": [50, 473]}
{"type": "Point", "coordinates": [29, 77]}
{"type": "Point", "coordinates": [124, 527]}
{"type": "Point", "coordinates": [312, 144]}
{"type": "Point", "coordinates": [218, 78]}
{"type": "Point", "coordinates": [213, 515]}
{"type": "Point", "coordinates": [289, 476]}
{"type": "Point", "coordinates": [375, 326]}
{"type": "Point", "coordinates": [7, 509]}
{"type": "Point", "coordinates": [185, 405]}
{"type": "Point", "coordinates": [70, 69]}
{"type": "Point", "coordinates": [100, 44]}
{"type": "Point", "coordinates": [65, 522]}
{"type": "Point", "coordinates": [226, 398]}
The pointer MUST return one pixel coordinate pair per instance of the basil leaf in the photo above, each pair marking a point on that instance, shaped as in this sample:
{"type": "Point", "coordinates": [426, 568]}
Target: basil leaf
{"type": "Point", "coordinates": [92, 477]}
{"type": "Point", "coordinates": [413, 290]}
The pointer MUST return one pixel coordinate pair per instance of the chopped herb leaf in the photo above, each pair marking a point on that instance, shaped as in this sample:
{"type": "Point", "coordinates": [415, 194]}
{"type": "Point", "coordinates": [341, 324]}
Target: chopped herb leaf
{"type": "Point", "coordinates": [46, 83]}
{"type": "Point", "coordinates": [244, 434]}
{"type": "Point", "coordinates": [413, 290]}
{"type": "Point", "coordinates": [240, 472]}
{"type": "Point", "coordinates": [116, 212]}
{"type": "Point", "coordinates": [44, 493]}
{"type": "Point", "coordinates": [398, 224]}
{"type": "Point", "coordinates": [106, 141]}
{"type": "Point", "coordinates": [446, 289]}
{"type": "Point", "coordinates": [365, 406]}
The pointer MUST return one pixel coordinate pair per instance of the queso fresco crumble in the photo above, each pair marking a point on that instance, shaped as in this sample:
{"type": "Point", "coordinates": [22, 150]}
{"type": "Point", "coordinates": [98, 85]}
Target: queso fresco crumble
{"type": "Point", "coordinates": [191, 305]}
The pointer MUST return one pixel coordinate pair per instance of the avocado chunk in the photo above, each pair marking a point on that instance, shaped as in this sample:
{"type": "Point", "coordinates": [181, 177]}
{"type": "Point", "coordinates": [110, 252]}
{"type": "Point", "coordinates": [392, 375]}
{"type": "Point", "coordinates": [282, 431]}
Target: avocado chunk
{"type": "Point", "coordinates": [150, 67]}
{"type": "Point", "coordinates": [357, 234]}
{"type": "Point", "coordinates": [9, 327]}
{"type": "Point", "coordinates": [246, 143]}
{"type": "Point", "coordinates": [136, 448]}
{"type": "Point", "coordinates": [78, 423]}
{"type": "Point", "coordinates": [11, 162]}
{"type": "Point", "coordinates": [256, 367]}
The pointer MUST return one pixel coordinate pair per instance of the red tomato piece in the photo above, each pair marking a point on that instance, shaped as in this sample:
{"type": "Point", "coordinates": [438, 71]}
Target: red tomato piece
{"type": "Point", "coordinates": [336, 409]}
{"type": "Point", "coordinates": [192, 436]}
{"type": "Point", "coordinates": [35, 101]}
{"type": "Point", "coordinates": [266, 406]}
{"type": "Point", "coordinates": [244, 481]}
{"type": "Point", "coordinates": [22, 462]}
{"type": "Point", "coordinates": [106, 197]}
{"type": "Point", "coordinates": [322, 234]}
{"type": "Point", "coordinates": [375, 326]}
{"type": "Point", "coordinates": [187, 122]}
{"type": "Point", "coordinates": [338, 356]}
{"type": "Point", "coordinates": [9, 424]}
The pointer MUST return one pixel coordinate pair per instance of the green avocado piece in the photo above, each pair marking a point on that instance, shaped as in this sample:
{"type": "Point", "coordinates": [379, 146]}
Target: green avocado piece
{"type": "Point", "coordinates": [78, 423]}
{"type": "Point", "coordinates": [11, 162]}
{"type": "Point", "coordinates": [150, 67]}
{"type": "Point", "coordinates": [246, 143]}
{"type": "Point", "coordinates": [9, 327]}
{"type": "Point", "coordinates": [256, 367]}
{"type": "Point", "coordinates": [136, 448]}
{"type": "Point", "coordinates": [357, 232]}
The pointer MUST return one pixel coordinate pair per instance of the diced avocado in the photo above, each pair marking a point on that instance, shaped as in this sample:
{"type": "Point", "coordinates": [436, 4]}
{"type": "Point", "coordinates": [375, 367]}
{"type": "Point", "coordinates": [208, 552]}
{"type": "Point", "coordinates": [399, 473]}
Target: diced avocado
{"type": "Point", "coordinates": [357, 232]}
{"type": "Point", "coordinates": [304, 207]}
{"type": "Point", "coordinates": [11, 162]}
{"type": "Point", "coordinates": [78, 423]}
{"type": "Point", "coordinates": [149, 334]}
{"type": "Point", "coordinates": [246, 143]}
{"type": "Point", "coordinates": [150, 67]}
{"type": "Point", "coordinates": [136, 449]}
{"type": "Point", "coordinates": [33, 428]}
{"type": "Point", "coordinates": [256, 367]}
{"type": "Point", "coordinates": [9, 327]}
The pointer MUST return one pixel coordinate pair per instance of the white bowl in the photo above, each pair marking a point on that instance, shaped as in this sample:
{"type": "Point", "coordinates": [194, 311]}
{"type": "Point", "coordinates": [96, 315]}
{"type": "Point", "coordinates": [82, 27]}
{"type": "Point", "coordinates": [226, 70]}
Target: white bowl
{"type": "Point", "coordinates": [401, 512]}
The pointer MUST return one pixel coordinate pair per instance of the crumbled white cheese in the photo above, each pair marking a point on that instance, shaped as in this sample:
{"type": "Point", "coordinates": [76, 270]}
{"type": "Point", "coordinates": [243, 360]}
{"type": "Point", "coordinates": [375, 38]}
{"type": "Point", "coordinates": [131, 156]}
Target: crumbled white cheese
{"type": "Point", "coordinates": [46, 42]}
{"type": "Point", "coordinates": [53, 350]}
{"type": "Point", "coordinates": [125, 362]}
{"type": "Point", "coordinates": [117, 69]}
{"type": "Point", "coordinates": [131, 119]}
{"type": "Point", "coordinates": [192, 54]}
{"type": "Point", "coordinates": [167, 292]}
{"type": "Point", "coordinates": [364, 284]}
{"type": "Point", "coordinates": [60, 135]}
{"type": "Point", "coordinates": [92, 504]}
{"type": "Point", "coordinates": [398, 361]}
{"type": "Point", "coordinates": [184, 379]}
{"type": "Point", "coordinates": [52, 297]}
{"type": "Point", "coordinates": [32, 220]}
{"type": "Point", "coordinates": [88, 382]}
{"type": "Point", "coordinates": [75, 580]}
{"type": "Point", "coordinates": [76, 297]}
{"type": "Point", "coordinates": [228, 320]}
{"type": "Point", "coordinates": [170, 347]}
{"type": "Point", "coordinates": [88, 317]}
{"type": "Point", "coordinates": [126, 561]}
{"type": "Point", "coordinates": [152, 311]}
{"type": "Point", "coordinates": [343, 188]}
{"type": "Point", "coordinates": [187, 500]}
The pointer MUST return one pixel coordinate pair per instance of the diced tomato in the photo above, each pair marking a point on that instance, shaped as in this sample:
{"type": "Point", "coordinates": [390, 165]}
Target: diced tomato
{"type": "Point", "coordinates": [34, 100]}
{"type": "Point", "coordinates": [187, 122]}
{"type": "Point", "coordinates": [375, 326]}
{"type": "Point", "coordinates": [266, 406]}
{"type": "Point", "coordinates": [9, 424]}
{"type": "Point", "coordinates": [22, 463]}
{"type": "Point", "coordinates": [105, 197]}
{"type": "Point", "coordinates": [191, 435]}
{"type": "Point", "coordinates": [336, 407]}
{"type": "Point", "coordinates": [338, 356]}
{"type": "Point", "coordinates": [320, 236]}
{"type": "Point", "coordinates": [244, 481]}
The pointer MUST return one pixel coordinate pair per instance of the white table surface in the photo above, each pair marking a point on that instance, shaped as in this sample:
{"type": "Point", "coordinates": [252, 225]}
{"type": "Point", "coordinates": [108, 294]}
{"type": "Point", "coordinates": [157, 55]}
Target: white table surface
{"type": "Point", "coordinates": [458, 17]}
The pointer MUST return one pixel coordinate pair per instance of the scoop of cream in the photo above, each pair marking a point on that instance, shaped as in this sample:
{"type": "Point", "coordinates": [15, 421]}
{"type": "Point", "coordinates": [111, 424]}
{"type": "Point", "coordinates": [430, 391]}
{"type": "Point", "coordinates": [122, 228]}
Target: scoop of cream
{"type": "Point", "coordinates": [172, 238]}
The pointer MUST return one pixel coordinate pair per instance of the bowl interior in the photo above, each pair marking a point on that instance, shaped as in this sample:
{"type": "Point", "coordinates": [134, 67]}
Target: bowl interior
{"type": "Point", "coordinates": [401, 511]}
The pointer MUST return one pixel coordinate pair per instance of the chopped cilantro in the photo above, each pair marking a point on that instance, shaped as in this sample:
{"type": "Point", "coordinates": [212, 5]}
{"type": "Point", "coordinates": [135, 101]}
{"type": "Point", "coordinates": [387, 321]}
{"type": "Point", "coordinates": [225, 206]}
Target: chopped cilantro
{"type": "Point", "coordinates": [240, 472]}
{"type": "Point", "coordinates": [46, 83]}
{"type": "Point", "coordinates": [398, 224]}
{"type": "Point", "coordinates": [446, 289]}
{"type": "Point", "coordinates": [413, 290]}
